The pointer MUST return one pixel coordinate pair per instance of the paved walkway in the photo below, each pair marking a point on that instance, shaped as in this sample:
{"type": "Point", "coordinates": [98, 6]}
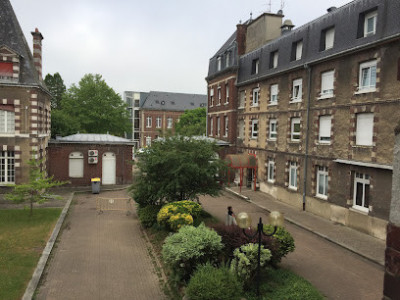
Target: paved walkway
{"type": "Point", "coordinates": [320, 255]}
{"type": "Point", "coordinates": [100, 256]}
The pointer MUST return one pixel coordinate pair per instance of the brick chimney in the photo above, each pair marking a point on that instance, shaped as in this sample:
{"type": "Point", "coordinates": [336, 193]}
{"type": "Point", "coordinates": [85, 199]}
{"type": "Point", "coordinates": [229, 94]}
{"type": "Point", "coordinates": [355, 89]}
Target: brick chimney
{"type": "Point", "coordinates": [37, 51]}
{"type": "Point", "coordinates": [241, 38]}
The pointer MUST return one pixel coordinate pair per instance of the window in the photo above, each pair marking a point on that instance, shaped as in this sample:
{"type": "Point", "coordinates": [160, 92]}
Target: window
{"type": "Point", "coordinates": [219, 96]}
{"type": "Point", "coordinates": [271, 171]}
{"type": "Point", "coordinates": [273, 94]}
{"type": "Point", "coordinates": [218, 127]}
{"type": "Point", "coordinates": [158, 122]}
{"type": "Point", "coordinates": [226, 122]}
{"type": "Point", "coordinates": [227, 58]}
{"type": "Point", "coordinates": [219, 63]}
{"type": "Point", "coordinates": [255, 66]}
{"type": "Point", "coordinates": [295, 129]}
{"type": "Point", "coordinates": [293, 175]}
{"type": "Point", "coordinates": [169, 123]}
{"type": "Point", "coordinates": [254, 129]}
{"type": "Point", "coordinates": [6, 71]}
{"type": "Point", "coordinates": [273, 129]}
{"type": "Point", "coordinates": [322, 182]}
{"type": "Point", "coordinates": [325, 124]}
{"type": "Point", "coordinates": [75, 165]}
{"type": "Point", "coordinates": [241, 129]}
{"type": "Point", "coordinates": [297, 90]}
{"type": "Point", "coordinates": [148, 123]}
{"type": "Point", "coordinates": [226, 93]}
{"type": "Point", "coordinates": [256, 92]}
{"type": "Point", "coordinates": [370, 23]}
{"type": "Point", "coordinates": [273, 62]}
{"type": "Point", "coordinates": [242, 98]}
{"type": "Point", "coordinates": [365, 129]}
{"type": "Point", "coordinates": [211, 97]}
{"type": "Point", "coordinates": [7, 167]}
{"type": "Point", "coordinates": [211, 126]}
{"type": "Point", "coordinates": [361, 192]}
{"type": "Point", "coordinates": [327, 84]}
{"type": "Point", "coordinates": [148, 141]}
{"type": "Point", "coordinates": [327, 39]}
{"type": "Point", "coordinates": [367, 80]}
{"type": "Point", "coordinates": [7, 121]}
{"type": "Point", "coordinates": [299, 50]}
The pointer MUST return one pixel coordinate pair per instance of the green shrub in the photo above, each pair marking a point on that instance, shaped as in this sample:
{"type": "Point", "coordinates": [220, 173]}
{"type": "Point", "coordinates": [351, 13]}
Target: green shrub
{"type": "Point", "coordinates": [210, 283]}
{"type": "Point", "coordinates": [176, 214]}
{"type": "Point", "coordinates": [286, 243]}
{"type": "Point", "coordinates": [244, 264]}
{"type": "Point", "coordinates": [190, 247]}
{"type": "Point", "coordinates": [175, 222]}
{"type": "Point", "coordinates": [148, 215]}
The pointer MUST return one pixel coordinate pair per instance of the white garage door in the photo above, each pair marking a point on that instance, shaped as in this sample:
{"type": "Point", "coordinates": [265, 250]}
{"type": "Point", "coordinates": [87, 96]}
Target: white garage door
{"type": "Point", "coordinates": [109, 168]}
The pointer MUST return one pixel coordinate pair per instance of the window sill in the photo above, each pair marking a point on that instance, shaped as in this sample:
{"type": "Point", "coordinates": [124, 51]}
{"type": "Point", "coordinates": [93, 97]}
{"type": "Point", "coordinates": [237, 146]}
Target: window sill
{"type": "Point", "coordinates": [295, 101]}
{"type": "Point", "coordinates": [254, 138]}
{"type": "Point", "coordinates": [359, 209]}
{"type": "Point", "coordinates": [363, 146]}
{"type": "Point", "coordinates": [226, 103]}
{"type": "Point", "coordinates": [327, 96]}
{"type": "Point", "coordinates": [218, 105]}
{"type": "Point", "coordinates": [6, 183]}
{"type": "Point", "coordinates": [322, 197]}
{"type": "Point", "coordinates": [294, 141]}
{"type": "Point", "coordinates": [272, 139]}
{"type": "Point", "coordinates": [292, 188]}
{"type": "Point", "coordinates": [255, 105]}
{"type": "Point", "coordinates": [273, 104]}
{"type": "Point", "coordinates": [321, 143]}
{"type": "Point", "coordinates": [365, 91]}
{"type": "Point", "coordinates": [271, 181]}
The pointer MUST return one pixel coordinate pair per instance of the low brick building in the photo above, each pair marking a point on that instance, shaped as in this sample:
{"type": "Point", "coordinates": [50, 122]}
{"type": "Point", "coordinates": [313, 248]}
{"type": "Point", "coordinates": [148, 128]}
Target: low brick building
{"type": "Point", "coordinates": [80, 157]}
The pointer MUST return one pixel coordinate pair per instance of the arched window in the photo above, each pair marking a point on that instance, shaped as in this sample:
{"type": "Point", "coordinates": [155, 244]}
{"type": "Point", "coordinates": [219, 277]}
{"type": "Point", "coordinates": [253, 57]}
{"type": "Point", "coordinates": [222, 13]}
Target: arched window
{"type": "Point", "coordinates": [75, 166]}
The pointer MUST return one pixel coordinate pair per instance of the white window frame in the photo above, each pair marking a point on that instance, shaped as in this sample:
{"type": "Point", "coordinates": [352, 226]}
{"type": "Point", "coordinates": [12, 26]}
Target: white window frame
{"type": "Point", "coordinates": [329, 38]}
{"type": "Point", "coordinates": [297, 92]}
{"type": "Point", "coordinates": [273, 129]}
{"type": "Point", "coordinates": [149, 122]}
{"type": "Point", "coordinates": [373, 15]}
{"type": "Point", "coordinates": [275, 59]}
{"type": "Point", "coordinates": [218, 126]}
{"type": "Point", "coordinates": [368, 70]}
{"type": "Point", "coordinates": [327, 79]}
{"type": "Point", "coordinates": [293, 175]}
{"type": "Point", "coordinates": [219, 95]}
{"type": "Point", "coordinates": [226, 121]}
{"type": "Point", "coordinates": [274, 91]}
{"type": "Point", "coordinates": [271, 171]}
{"type": "Point", "coordinates": [227, 59]}
{"type": "Point", "coordinates": [295, 136]}
{"type": "Point", "coordinates": [7, 167]}
{"type": "Point", "coordinates": [299, 50]}
{"type": "Point", "coordinates": [365, 129]}
{"type": "Point", "coordinates": [226, 94]}
{"type": "Point", "coordinates": [212, 97]}
{"type": "Point", "coordinates": [7, 120]}
{"type": "Point", "coordinates": [256, 94]}
{"type": "Point", "coordinates": [324, 129]}
{"type": "Point", "coordinates": [76, 165]}
{"type": "Point", "coordinates": [170, 122]}
{"type": "Point", "coordinates": [322, 173]}
{"type": "Point", "coordinates": [148, 141]}
{"type": "Point", "coordinates": [364, 180]}
{"type": "Point", "coordinates": [211, 126]}
{"type": "Point", "coordinates": [158, 122]}
{"type": "Point", "coordinates": [219, 63]}
{"type": "Point", "coordinates": [242, 99]}
{"type": "Point", "coordinates": [256, 66]}
{"type": "Point", "coordinates": [254, 129]}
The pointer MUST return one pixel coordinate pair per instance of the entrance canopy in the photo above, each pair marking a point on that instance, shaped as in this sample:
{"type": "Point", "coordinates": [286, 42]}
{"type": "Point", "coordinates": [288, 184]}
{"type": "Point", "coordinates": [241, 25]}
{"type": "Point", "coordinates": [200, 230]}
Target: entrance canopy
{"type": "Point", "coordinates": [241, 162]}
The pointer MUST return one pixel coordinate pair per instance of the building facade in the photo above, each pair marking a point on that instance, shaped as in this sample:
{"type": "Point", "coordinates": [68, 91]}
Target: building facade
{"type": "Point", "coordinates": [318, 106]}
{"type": "Point", "coordinates": [24, 100]}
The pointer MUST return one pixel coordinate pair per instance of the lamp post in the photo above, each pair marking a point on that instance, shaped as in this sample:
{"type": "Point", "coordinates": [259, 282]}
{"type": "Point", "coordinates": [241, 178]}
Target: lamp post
{"type": "Point", "coordinates": [244, 221]}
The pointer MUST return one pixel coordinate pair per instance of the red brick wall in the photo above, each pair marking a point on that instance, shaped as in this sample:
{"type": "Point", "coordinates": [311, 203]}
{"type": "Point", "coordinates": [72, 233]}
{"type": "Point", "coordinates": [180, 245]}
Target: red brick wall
{"type": "Point", "coordinates": [58, 160]}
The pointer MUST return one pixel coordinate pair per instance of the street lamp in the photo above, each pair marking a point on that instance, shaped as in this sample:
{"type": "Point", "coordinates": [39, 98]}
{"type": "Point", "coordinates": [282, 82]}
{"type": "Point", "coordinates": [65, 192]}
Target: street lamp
{"type": "Point", "coordinates": [244, 221]}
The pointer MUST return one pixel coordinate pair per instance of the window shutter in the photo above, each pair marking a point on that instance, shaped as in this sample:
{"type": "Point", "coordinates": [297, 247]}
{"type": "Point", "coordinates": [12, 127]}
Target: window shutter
{"type": "Point", "coordinates": [327, 82]}
{"type": "Point", "coordinates": [365, 126]}
{"type": "Point", "coordinates": [324, 128]}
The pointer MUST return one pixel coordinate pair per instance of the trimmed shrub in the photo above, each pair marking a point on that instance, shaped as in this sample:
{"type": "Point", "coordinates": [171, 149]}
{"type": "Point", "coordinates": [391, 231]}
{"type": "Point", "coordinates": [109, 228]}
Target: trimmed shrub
{"type": "Point", "coordinates": [176, 214]}
{"type": "Point", "coordinates": [175, 222]}
{"type": "Point", "coordinates": [244, 264]}
{"type": "Point", "coordinates": [190, 247]}
{"type": "Point", "coordinates": [148, 215]}
{"type": "Point", "coordinates": [286, 243]}
{"type": "Point", "coordinates": [210, 283]}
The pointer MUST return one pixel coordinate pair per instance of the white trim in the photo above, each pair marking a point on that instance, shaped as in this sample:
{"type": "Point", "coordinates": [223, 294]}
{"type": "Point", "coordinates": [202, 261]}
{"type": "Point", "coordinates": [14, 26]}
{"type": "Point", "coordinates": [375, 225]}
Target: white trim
{"type": "Point", "coordinates": [363, 164]}
{"type": "Point", "coordinates": [374, 16]}
{"type": "Point", "coordinates": [324, 172]}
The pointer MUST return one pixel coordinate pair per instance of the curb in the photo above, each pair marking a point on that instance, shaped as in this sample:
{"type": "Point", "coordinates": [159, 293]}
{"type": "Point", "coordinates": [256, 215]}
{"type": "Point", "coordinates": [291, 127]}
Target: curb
{"type": "Point", "coordinates": [371, 259]}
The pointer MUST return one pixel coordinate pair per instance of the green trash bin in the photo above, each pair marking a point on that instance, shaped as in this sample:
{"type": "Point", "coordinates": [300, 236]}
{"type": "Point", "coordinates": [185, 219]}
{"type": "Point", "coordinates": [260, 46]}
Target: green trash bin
{"type": "Point", "coordinates": [95, 185]}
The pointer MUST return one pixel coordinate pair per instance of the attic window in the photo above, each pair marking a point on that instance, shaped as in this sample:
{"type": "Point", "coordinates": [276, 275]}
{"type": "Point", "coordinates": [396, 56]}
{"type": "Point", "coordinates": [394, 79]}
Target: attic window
{"type": "Point", "coordinates": [6, 71]}
{"type": "Point", "coordinates": [255, 66]}
{"type": "Point", "coordinates": [191, 103]}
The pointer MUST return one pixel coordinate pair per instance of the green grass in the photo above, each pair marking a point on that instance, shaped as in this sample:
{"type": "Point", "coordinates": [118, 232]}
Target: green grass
{"type": "Point", "coordinates": [282, 284]}
{"type": "Point", "coordinates": [22, 239]}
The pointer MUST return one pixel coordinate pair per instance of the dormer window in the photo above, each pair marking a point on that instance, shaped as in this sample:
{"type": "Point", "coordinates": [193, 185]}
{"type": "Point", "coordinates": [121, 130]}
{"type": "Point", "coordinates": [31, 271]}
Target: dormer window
{"type": "Point", "coordinates": [273, 63]}
{"type": "Point", "coordinates": [6, 71]}
{"type": "Point", "coordinates": [370, 23]}
{"type": "Point", "coordinates": [219, 63]}
{"type": "Point", "coordinates": [227, 58]}
{"type": "Point", "coordinates": [9, 65]}
{"type": "Point", "coordinates": [327, 38]}
{"type": "Point", "coordinates": [255, 66]}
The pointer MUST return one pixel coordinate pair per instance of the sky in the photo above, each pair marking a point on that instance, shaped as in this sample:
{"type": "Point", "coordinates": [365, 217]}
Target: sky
{"type": "Point", "coordinates": [146, 45]}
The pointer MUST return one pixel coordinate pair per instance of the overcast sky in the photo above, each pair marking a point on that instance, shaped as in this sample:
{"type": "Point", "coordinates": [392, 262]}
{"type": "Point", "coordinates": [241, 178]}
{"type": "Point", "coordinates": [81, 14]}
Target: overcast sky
{"type": "Point", "coordinates": [158, 45]}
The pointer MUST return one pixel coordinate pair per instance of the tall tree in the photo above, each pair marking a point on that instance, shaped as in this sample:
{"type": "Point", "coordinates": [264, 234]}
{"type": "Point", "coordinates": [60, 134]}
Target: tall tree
{"type": "Point", "coordinates": [192, 122]}
{"type": "Point", "coordinates": [57, 88]}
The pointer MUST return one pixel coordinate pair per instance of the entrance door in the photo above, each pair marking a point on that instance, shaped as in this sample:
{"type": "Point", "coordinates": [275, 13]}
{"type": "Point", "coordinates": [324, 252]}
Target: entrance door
{"type": "Point", "coordinates": [109, 168]}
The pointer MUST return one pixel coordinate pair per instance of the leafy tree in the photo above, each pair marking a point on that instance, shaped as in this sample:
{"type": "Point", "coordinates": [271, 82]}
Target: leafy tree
{"type": "Point", "coordinates": [36, 190]}
{"type": "Point", "coordinates": [57, 88]}
{"type": "Point", "coordinates": [93, 107]}
{"type": "Point", "coordinates": [192, 122]}
{"type": "Point", "coordinates": [62, 123]}
{"type": "Point", "coordinates": [176, 168]}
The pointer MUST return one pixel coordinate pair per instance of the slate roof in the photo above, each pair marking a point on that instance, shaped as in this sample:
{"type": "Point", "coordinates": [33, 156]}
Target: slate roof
{"type": "Point", "coordinates": [346, 22]}
{"type": "Point", "coordinates": [174, 101]}
{"type": "Point", "coordinates": [92, 138]}
{"type": "Point", "coordinates": [11, 36]}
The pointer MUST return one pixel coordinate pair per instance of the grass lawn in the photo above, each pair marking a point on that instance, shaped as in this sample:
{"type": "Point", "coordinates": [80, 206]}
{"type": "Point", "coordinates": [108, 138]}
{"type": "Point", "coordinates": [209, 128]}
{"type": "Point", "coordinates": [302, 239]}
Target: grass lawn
{"type": "Point", "coordinates": [22, 240]}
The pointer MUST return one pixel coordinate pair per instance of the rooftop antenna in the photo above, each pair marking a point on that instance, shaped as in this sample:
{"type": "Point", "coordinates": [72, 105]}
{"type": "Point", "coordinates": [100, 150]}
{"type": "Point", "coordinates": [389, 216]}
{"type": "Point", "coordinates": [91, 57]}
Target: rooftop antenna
{"type": "Point", "coordinates": [269, 4]}
{"type": "Point", "coordinates": [282, 4]}
{"type": "Point", "coordinates": [251, 16]}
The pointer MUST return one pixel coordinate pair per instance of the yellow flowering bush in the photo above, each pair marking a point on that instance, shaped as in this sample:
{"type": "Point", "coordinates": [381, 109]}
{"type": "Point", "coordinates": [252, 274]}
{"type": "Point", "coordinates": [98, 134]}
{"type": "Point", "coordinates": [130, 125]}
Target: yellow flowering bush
{"type": "Point", "coordinates": [176, 214]}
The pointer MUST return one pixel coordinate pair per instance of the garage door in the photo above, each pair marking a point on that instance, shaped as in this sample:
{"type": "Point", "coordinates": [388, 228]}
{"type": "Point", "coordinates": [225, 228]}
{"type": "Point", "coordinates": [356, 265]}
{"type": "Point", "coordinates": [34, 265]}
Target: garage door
{"type": "Point", "coordinates": [109, 168]}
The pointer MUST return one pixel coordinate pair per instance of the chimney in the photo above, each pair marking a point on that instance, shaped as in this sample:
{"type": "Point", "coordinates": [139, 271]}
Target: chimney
{"type": "Point", "coordinates": [287, 26]}
{"type": "Point", "coordinates": [241, 38]}
{"type": "Point", "coordinates": [37, 51]}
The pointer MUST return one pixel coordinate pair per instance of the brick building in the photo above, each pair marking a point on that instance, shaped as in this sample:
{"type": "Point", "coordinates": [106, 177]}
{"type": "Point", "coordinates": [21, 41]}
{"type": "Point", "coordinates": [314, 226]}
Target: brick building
{"type": "Point", "coordinates": [78, 158]}
{"type": "Point", "coordinates": [24, 100]}
{"type": "Point", "coordinates": [318, 105]}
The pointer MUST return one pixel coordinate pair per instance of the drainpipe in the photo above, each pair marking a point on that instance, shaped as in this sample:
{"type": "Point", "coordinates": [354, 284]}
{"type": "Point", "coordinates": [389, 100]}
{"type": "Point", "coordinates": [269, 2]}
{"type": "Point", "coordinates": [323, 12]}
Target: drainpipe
{"type": "Point", "coordinates": [309, 73]}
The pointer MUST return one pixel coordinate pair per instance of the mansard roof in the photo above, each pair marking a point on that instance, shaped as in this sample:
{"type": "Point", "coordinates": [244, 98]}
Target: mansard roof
{"type": "Point", "coordinates": [173, 101]}
{"type": "Point", "coordinates": [12, 37]}
{"type": "Point", "coordinates": [345, 20]}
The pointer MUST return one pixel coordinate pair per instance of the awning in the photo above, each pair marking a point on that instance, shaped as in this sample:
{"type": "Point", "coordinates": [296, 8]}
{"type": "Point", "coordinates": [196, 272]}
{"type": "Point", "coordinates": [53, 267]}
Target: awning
{"type": "Point", "coordinates": [363, 164]}
{"type": "Point", "coordinates": [241, 161]}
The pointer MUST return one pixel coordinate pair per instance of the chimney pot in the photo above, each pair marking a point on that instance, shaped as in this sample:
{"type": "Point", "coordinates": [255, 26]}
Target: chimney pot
{"type": "Point", "coordinates": [37, 51]}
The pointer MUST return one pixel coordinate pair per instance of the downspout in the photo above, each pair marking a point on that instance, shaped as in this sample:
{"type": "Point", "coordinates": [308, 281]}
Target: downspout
{"type": "Point", "coordinates": [309, 73]}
